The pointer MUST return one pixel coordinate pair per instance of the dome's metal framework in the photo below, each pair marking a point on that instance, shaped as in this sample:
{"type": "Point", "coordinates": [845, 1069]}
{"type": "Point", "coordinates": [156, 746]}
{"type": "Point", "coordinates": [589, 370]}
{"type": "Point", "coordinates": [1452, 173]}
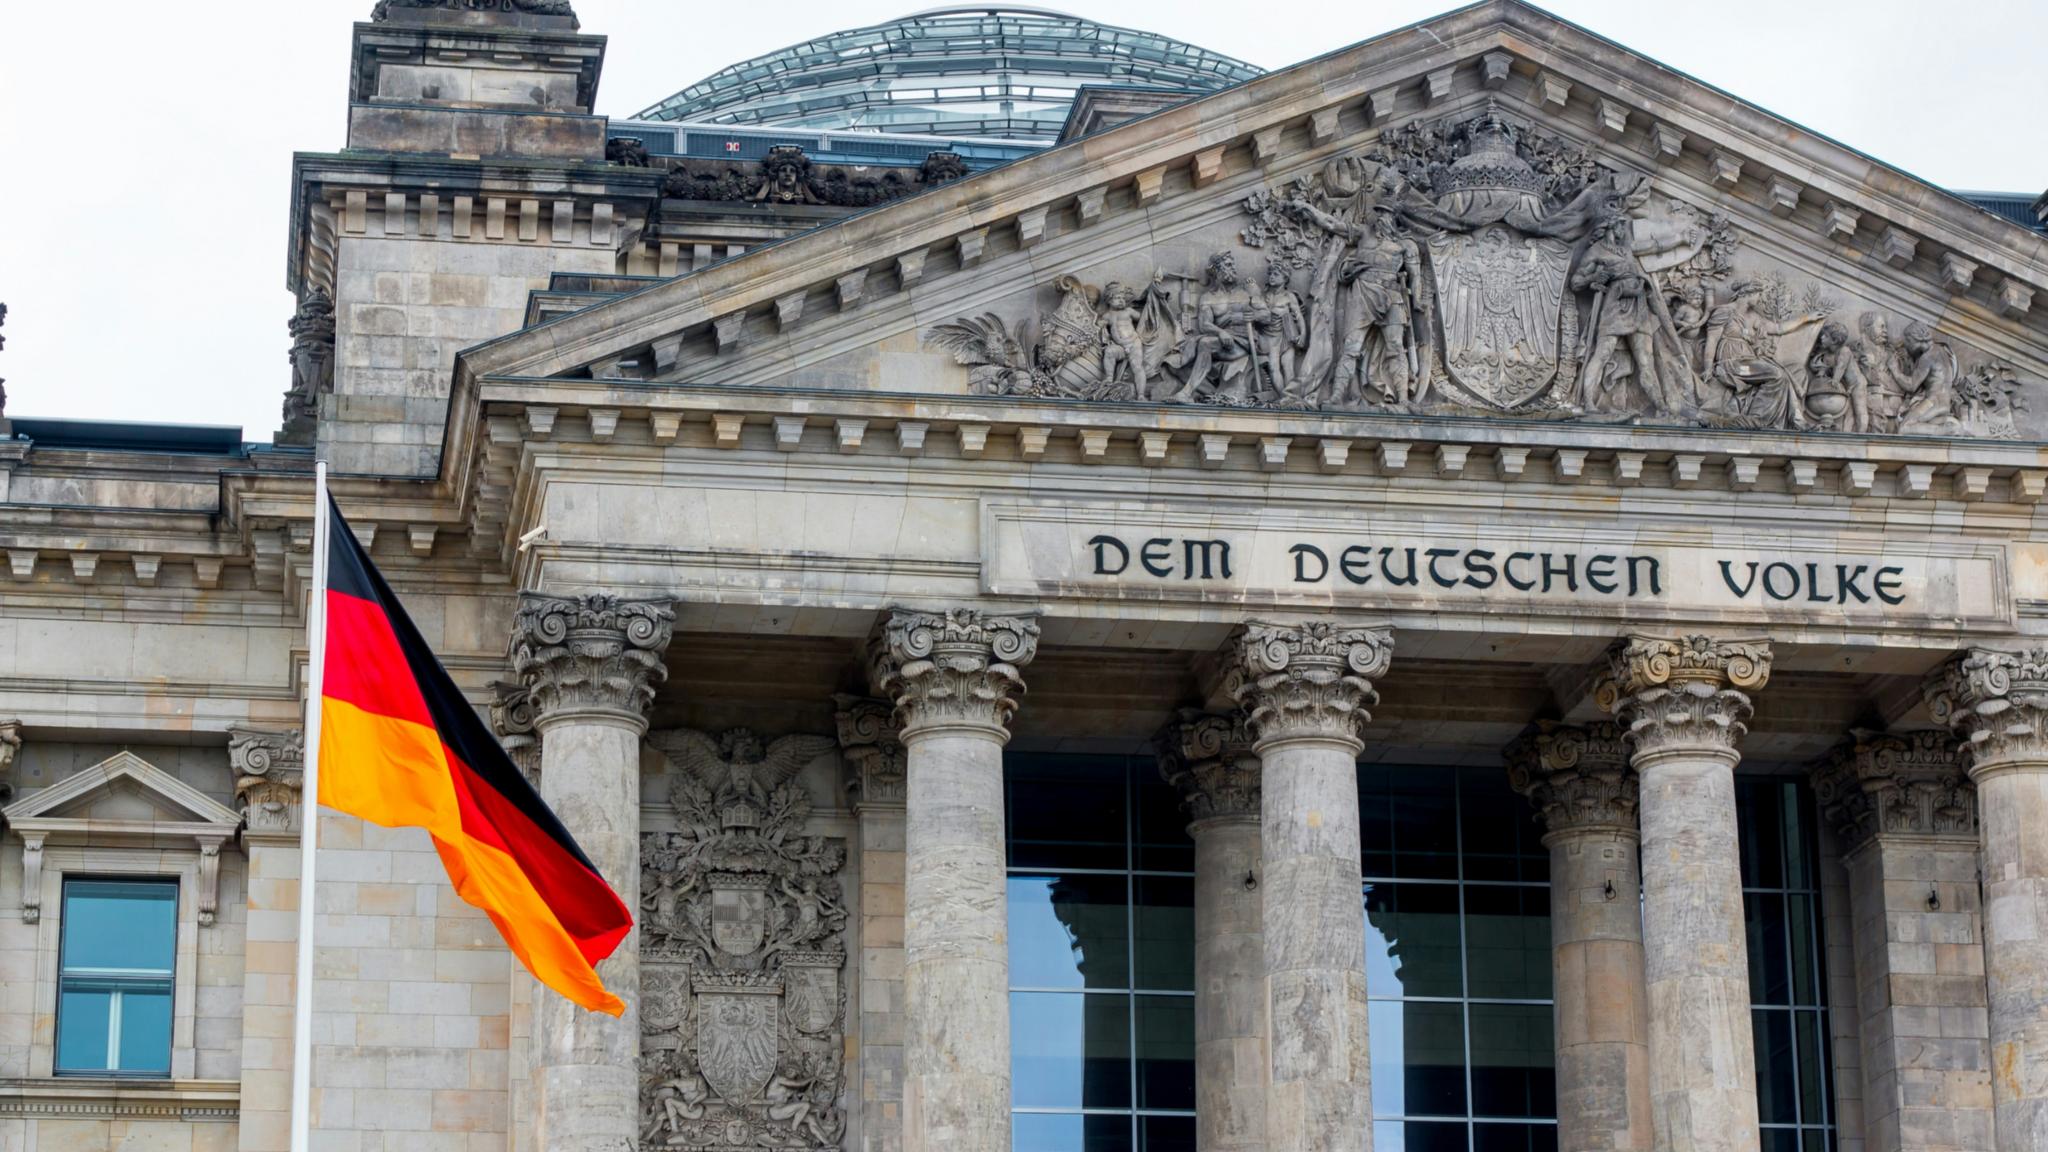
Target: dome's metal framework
{"type": "Point", "coordinates": [997, 73]}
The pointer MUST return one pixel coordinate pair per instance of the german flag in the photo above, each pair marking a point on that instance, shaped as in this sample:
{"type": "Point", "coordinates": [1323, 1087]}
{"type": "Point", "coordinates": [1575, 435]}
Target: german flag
{"type": "Point", "coordinates": [400, 747]}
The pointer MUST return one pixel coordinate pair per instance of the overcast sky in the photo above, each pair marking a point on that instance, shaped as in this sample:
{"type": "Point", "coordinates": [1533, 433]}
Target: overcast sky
{"type": "Point", "coordinates": [145, 145]}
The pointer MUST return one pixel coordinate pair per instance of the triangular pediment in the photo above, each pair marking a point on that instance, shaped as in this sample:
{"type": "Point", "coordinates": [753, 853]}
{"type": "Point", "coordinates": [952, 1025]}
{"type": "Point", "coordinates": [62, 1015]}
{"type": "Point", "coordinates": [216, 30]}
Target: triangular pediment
{"type": "Point", "coordinates": [122, 791]}
{"type": "Point", "coordinates": [1764, 277]}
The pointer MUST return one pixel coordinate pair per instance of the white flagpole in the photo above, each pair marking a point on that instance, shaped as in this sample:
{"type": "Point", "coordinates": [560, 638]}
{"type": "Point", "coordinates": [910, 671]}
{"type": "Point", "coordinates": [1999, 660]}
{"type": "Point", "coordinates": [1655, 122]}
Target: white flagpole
{"type": "Point", "coordinates": [309, 825]}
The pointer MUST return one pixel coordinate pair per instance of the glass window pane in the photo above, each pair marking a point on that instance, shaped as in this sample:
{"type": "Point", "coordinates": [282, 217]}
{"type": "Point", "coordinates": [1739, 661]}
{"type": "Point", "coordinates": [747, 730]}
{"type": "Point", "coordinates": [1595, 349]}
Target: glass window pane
{"type": "Point", "coordinates": [120, 924]}
{"type": "Point", "coordinates": [1067, 812]}
{"type": "Point", "coordinates": [82, 1028]}
{"type": "Point", "coordinates": [1792, 831]}
{"type": "Point", "coordinates": [1069, 931]}
{"type": "Point", "coordinates": [1507, 942]}
{"type": "Point", "coordinates": [1514, 1138]}
{"type": "Point", "coordinates": [1502, 837]}
{"type": "Point", "coordinates": [146, 1029]}
{"type": "Point", "coordinates": [1163, 841]}
{"type": "Point", "coordinates": [1756, 820]}
{"type": "Point", "coordinates": [1375, 822]}
{"type": "Point", "coordinates": [1769, 975]}
{"type": "Point", "coordinates": [1802, 936]}
{"type": "Point", "coordinates": [1166, 1133]}
{"type": "Point", "coordinates": [1165, 921]}
{"type": "Point", "coordinates": [1052, 1132]}
{"type": "Point", "coordinates": [1777, 1084]}
{"type": "Point", "coordinates": [1421, 821]}
{"type": "Point", "coordinates": [1812, 1059]}
{"type": "Point", "coordinates": [1415, 1136]}
{"type": "Point", "coordinates": [1070, 1050]}
{"type": "Point", "coordinates": [1780, 1140]}
{"type": "Point", "coordinates": [1166, 1052]}
{"type": "Point", "coordinates": [1418, 1059]}
{"type": "Point", "coordinates": [1411, 940]}
{"type": "Point", "coordinates": [1513, 1066]}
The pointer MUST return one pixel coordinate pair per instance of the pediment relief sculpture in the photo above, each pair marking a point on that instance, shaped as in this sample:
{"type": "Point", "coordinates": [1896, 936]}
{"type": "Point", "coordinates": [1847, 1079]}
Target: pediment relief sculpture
{"type": "Point", "coordinates": [1482, 265]}
{"type": "Point", "coordinates": [743, 923]}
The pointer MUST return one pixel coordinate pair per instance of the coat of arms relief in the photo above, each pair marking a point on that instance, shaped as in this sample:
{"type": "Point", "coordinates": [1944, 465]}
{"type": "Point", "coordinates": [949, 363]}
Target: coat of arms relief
{"type": "Point", "coordinates": [742, 948]}
{"type": "Point", "coordinates": [1483, 265]}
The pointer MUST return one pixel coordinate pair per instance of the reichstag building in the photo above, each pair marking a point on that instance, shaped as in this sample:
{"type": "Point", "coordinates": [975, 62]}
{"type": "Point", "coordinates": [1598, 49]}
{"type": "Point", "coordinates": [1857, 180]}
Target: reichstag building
{"type": "Point", "coordinates": [1474, 593]}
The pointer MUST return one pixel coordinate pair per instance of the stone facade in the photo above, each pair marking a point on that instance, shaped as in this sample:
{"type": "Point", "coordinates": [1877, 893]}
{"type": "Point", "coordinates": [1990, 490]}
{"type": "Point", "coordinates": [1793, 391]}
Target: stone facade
{"type": "Point", "coordinates": [1442, 400]}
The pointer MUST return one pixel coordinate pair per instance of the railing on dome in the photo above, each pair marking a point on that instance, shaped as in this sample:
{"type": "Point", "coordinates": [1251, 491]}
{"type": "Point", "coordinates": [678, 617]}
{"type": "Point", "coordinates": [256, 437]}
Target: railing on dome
{"type": "Point", "coordinates": [1008, 73]}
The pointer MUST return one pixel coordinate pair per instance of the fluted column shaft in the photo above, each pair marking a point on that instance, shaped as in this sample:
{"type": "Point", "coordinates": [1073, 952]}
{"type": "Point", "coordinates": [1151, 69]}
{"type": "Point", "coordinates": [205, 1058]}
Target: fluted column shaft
{"type": "Point", "coordinates": [1305, 689]}
{"type": "Point", "coordinates": [1998, 703]}
{"type": "Point", "coordinates": [1681, 704]}
{"type": "Point", "coordinates": [1208, 758]}
{"type": "Point", "coordinates": [954, 678]}
{"type": "Point", "coordinates": [590, 665]}
{"type": "Point", "coordinates": [1581, 782]}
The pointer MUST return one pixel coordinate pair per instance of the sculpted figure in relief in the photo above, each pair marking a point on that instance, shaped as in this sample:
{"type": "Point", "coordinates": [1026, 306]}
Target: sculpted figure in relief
{"type": "Point", "coordinates": [1486, 265]}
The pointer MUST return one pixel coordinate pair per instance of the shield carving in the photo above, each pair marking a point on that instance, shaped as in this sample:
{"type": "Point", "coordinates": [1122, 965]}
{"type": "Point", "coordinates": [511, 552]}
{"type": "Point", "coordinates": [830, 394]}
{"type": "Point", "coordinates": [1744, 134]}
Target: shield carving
{"type": "Point", "coordinates": [738, 1040]}
{"type": "Point", "coordinates": [812, 999]}
{"type": "Point", "coordinates": [739, 912]}
{"type": "Point", "coordinates": [1500, 295]}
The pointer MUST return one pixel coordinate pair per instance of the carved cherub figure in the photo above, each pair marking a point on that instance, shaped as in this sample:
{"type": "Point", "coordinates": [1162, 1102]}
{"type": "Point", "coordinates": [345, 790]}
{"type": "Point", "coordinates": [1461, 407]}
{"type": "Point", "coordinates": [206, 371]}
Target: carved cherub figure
{"type": "Point", "coordinates": [1837, 395]}
{"type": "Point", "coordinates": [680, 1097]}
{"type": "Point", "coordinates": [1123, 345]}
{"type": "Point", "coordinates": [1929, 383]}
{"type": "Point", "coordinates": [789, 1102]}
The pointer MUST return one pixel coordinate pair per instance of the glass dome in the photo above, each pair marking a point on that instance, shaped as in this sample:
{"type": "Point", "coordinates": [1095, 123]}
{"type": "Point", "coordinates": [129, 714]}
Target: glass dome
{"type": "Point", "coordinates": [995, 73]}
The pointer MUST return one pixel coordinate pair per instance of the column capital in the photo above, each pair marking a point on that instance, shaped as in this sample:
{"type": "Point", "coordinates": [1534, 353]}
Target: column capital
{"type": "Point", "coordinates": [1580, 779]}
{"type": "Point", "coordinates": [1912, 783]}
{"type": "Point", "coordinates": [270, 777]}
{"type": "Point", "coordinates": [1207, 757]}
{"type": "Point", "coordinates": [958, 669]}
{"type": "Point", "coordinates": [593, 656]}
{"type": "Point", "coordinates": [512, 717]}
{"type": "Point", "coordinates": [1308, 681]}
{"type": "Point", "coordinates": [1997, 703]}
{"type": "Point", "coordinates": [873, 746]}
{"type": "Point", "coordinates": [1688, 693]}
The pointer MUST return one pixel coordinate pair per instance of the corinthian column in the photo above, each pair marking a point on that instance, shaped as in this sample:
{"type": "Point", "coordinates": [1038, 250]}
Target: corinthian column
{"type": "Point", "coordinates": [1305, 689]}
{"type": "Point", "coordinates": [1581, 781]}
{"type": "Point", "coordinates": [1998, 703]}
{"type": "Point", "coordinates": [1208, 759]}
{"type": "Point", "coordinates": [1905, 816]}
{"type": "Point", "coordinates": [954, 679]}
{"type": "Point", "coordinates": [590, 665]}
{"type": "Point", "coordinates": [1679, 701]}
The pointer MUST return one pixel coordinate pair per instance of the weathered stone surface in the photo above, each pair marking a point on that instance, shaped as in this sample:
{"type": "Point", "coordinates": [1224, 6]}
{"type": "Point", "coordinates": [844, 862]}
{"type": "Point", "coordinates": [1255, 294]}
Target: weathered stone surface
{"type": "Point", "coordinates": [1997, 702]}
{"type": "Point", "coordinates": [589, 664]}
{"type": "Point", "coordinates": [1681, 703]}
{"type": "Point", "coordinates": [1581, 782]}
{"type": "Point", "coordinates": [1304, 689]}
{"type": "Point", "coordinates": [954, 677]}
{"type": "Point", "coordinates": [1209, 759]}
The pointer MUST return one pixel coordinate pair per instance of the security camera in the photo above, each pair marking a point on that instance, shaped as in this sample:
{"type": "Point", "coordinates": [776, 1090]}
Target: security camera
{"type": "Point", "coordinates": [529, 539]}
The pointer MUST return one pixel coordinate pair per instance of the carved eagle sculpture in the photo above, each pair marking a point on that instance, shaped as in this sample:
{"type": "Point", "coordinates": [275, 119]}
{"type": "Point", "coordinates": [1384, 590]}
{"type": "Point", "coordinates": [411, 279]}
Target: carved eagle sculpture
{"type": "Point", "coordinates": [737, 764]}
{"type": "Point", "coordinates": [998, 363]}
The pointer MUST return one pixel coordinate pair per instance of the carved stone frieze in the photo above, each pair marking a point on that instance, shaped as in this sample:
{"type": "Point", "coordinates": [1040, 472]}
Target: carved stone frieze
{"type": "Point", "coordinates": [1684, 693]}
{"type": "Point", "coordinates": [1307, 681]}
{"type": "Point", "coordinates": [512, 718]}
{"type": "Point", "coordinates": [1997, 703]}
{"type": "Point", "coordinates": [10, 747]}
{"type": "Point", "coordinates": [957, 668]}
{"type": "Point", "coordinates": [873, 747]}
{"type": "Point", "coordinates": [743, 948]}
{"type": "Point", "coordinates": [627, 151]}
{"type": "Point", "coordinates": [592, 653]}
{"type": "Point", "coordinates": [1912, 783]}
{"type": "Point", "coordinates": [1208, 759]}
{"type": "Point", "coordinates": [789, 176]}
{"type": "Point", "coordinates": [312, 360]}
{"type": "Point", "coordinates": [270, 776]}
{"type": "Point", "coordinates": [1578, 778]}
{"type": "Point", "coordinates": [1483, 265]}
